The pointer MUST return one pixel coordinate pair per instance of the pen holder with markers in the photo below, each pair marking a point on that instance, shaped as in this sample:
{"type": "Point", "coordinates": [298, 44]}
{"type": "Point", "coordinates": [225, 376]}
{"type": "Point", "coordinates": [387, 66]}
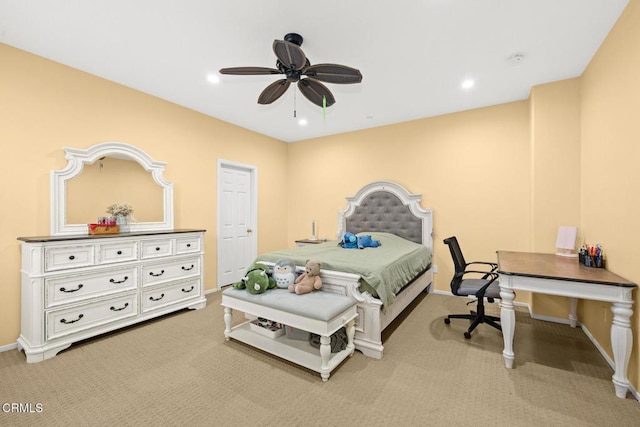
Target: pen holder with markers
{"type": "Point", "coordinates": [591, 256]}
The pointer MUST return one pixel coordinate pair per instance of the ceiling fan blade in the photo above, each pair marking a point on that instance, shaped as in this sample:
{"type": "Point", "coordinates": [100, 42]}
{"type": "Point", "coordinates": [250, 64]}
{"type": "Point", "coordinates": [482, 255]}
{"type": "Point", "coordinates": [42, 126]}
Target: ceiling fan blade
{"type": "Point", "coordinates": [249, 71]}
{"type": "Point", "coordinates": [274, 91]}
{"type": "Point", "coordinates": [314, 91]}
{"type": "Point", "coordinates": [334, 73]}
{"type": "Point", "coordinates": [289, 54]}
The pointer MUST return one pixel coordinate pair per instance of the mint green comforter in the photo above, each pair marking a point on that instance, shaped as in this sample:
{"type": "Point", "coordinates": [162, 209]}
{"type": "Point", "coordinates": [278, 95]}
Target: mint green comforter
{"type": "Point", "coordinates": [383, 270]}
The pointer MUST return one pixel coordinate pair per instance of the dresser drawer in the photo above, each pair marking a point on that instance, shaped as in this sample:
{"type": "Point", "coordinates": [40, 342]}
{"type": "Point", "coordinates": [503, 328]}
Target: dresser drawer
{"type": "Point", "coordinates": [65, 257]}
{"type": "Point", "coordinates": [118, 252]}
{"type": "Point", "coordinates": [67, 289]}
{"type": "Point", "coordinates": [159, 273]}
{"type": "Point", "coordinates": [156, 248]}
{"type": "Point", "coordinates": [185, 245]}
{"type": "Point", "coordinates": [71, 320]}
{"type": "Point", "coordinates": [159, 297]}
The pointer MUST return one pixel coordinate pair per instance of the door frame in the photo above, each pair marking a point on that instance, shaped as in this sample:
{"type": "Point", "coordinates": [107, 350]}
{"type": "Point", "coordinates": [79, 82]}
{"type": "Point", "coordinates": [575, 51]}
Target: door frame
{"type": "Point", "coordinates": [253, 171]}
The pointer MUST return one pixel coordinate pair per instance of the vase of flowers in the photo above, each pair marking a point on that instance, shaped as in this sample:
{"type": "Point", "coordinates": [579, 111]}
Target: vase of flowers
{"type": "Point", "coordinates": [122, 213]}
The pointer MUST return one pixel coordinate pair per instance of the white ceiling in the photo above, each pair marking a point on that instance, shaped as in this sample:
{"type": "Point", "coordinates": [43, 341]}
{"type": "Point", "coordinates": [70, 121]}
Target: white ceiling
{"type": "Point", "coordinates": [413, 54]}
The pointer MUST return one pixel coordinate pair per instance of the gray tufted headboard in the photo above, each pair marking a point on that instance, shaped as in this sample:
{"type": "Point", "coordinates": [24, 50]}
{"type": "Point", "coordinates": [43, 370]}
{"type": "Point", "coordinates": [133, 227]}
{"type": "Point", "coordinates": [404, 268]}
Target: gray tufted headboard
{"type": "Point", "coordinates": [384, 211]}
{"type": "Point", "coordinates": [386, 206]}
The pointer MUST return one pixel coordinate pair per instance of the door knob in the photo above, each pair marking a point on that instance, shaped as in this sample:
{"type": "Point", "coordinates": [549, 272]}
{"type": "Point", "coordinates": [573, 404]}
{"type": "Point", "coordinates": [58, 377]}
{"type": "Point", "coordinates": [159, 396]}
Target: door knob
{"type": "Point", "coordinates": [249, 230]}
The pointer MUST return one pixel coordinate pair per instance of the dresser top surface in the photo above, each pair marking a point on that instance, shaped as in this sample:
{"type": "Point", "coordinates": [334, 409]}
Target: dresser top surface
{"type": "Point", "coordinates": [40, 239]}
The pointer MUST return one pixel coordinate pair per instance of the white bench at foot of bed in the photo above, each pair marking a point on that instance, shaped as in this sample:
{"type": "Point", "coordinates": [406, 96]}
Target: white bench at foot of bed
{"type": "Point", "coordinates": [372, 319]}
{"type": "Point", "coordinates": [321, 313]}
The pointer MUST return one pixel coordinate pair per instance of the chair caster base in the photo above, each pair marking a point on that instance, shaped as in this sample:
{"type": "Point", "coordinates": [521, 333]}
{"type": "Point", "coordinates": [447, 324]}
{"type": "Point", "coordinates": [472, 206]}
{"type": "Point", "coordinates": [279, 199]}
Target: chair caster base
{"type": "Point", "coordinates": [447, 320]}
{"type": "Point", "coordinates": [467, 335]}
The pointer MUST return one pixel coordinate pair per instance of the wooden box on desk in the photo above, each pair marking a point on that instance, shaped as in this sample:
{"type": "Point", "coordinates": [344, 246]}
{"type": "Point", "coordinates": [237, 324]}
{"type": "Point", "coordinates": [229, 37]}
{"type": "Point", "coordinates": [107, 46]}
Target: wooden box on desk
{"type": "Point", "coordinates": [103, 229]}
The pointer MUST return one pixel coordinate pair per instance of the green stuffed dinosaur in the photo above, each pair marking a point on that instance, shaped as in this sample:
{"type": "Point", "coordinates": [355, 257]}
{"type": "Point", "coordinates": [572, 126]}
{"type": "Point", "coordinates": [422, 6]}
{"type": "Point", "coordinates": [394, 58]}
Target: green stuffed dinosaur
{"type": "Point", "coordinates": [257, 280]}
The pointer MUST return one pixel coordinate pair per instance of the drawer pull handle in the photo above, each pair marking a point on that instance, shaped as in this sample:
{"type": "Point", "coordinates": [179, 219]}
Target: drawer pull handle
{"type": "Point", "coordinates": [188, 245]}
{"type": "Point", "coordinates": [119, 281]}
{"type": "Point", "coordinates": [119, 252]}
{"type": "Point", "coordinates": [80, 286]}
{"type": "Point", "coordinates": [156, 299]}
{"type": "Point", "coordinates": [126, 304]}
{"type": "Point", "coordinates": [187, 268]}
{"type": "Point", "coordinates": [68, 322]}
{"type": "Point", "coordinates": [156, 275]}
{"type": "Point", "coordinates": [186, 291]}
{"type": "Point", "coordinates": [72, 257]}
{"type": "Point", "coordinates": [157, 248]}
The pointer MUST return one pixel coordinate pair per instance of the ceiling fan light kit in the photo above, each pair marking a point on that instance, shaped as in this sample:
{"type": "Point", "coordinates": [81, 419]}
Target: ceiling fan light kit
{"type": "Point", "coordinates": [295, 66]}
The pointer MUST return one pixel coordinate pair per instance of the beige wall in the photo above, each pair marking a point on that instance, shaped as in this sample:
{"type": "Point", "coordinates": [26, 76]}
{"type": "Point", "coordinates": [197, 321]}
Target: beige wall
{"type": "Point", "coordinates": [46, 106]}
{"type": "Point", "coordinates": [502, 177]}
{"type": "Point", "coordinates": [610, 196]}
{"type": "Point", "coordinates": [555, 173]}
{"type": "Point", "coordinates": [472, 168]}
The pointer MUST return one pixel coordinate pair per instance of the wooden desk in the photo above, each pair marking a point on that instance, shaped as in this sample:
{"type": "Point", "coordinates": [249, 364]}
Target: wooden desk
{"type": "Point", "coordinates": [556, 275]}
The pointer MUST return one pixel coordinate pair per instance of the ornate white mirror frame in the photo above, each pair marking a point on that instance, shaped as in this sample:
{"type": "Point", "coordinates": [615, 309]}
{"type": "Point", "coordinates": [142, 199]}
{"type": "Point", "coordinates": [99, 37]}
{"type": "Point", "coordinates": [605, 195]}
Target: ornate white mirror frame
{"type": "Point", "coordinates": [77, 158]}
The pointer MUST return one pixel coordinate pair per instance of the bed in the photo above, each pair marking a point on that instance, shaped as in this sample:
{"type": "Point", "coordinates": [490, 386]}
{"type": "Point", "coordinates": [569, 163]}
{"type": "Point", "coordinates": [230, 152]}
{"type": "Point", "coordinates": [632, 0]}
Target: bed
{"type": "Point", "coordinates": [386, 285]}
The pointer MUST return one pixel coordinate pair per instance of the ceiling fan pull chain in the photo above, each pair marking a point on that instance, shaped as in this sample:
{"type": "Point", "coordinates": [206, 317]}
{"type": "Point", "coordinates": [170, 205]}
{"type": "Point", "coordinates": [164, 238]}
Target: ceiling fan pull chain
{"type": "Point", "coordinates": [294, 102]}
{"type": "Point", "coordinates": [324, 108]}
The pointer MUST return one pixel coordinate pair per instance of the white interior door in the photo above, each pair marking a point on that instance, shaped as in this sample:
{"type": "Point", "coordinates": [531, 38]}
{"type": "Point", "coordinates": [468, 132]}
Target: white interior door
{"type": "Point", "coordinates": [237, 219]}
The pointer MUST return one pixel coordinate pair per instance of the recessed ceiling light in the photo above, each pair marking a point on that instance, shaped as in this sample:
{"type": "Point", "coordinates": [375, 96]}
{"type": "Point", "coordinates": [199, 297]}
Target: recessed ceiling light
{"type": "Point", "coordinates": [467, 84]}
{"type": "Point", "coordinates": [212, 78]}
{"type": "Point", "coordinates": [302, 122]}
{"type": "Point", "coordinates": [516, 59]}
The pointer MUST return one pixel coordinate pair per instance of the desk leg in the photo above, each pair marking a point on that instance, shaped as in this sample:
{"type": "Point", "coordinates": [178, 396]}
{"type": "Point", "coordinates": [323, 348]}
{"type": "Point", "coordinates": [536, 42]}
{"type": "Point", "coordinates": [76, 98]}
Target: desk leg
{"type": "Point", "coordinates": [573, 312]}
{"type": "Point", "coordinates": [508, 324]}
{"type": "Point", "coordinates": [621, 342]}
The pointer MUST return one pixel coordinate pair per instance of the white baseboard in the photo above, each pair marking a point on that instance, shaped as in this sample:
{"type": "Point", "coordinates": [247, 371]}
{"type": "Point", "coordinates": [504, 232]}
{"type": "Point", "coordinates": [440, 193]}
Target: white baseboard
{"type": "Point", "coordinates": [604, 354]}
{"type": "Point", "coordinates": [8, 347]}
{"type": "Point", "coordinates": [597, 345]}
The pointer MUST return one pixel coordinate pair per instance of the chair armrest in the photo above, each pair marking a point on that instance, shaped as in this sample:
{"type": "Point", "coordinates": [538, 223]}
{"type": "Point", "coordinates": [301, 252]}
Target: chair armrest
{"type": "Point", "coordinates": [483, 290]}
{"type": "Point", "coordinates": [487, 273]}
{"type": "Point", "coordinates": [493, 265]}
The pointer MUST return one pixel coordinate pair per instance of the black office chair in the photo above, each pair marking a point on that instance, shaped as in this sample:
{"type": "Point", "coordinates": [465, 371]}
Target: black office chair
{"type": "Point", "coordinates": [481, 284]}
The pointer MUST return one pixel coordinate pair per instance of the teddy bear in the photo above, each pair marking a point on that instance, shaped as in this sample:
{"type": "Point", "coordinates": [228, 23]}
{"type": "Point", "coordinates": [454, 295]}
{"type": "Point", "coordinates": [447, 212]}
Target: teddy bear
{"type": "Point", "coordinates": [308, 280]}
{"type": "Point", "coordinates": [284, 273]}
{"type": "Point", "coordinates": [257, 279]}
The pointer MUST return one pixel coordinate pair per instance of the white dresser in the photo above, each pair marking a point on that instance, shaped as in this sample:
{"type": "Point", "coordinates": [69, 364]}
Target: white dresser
{"type": "Point", "coordinates": [76, 287]}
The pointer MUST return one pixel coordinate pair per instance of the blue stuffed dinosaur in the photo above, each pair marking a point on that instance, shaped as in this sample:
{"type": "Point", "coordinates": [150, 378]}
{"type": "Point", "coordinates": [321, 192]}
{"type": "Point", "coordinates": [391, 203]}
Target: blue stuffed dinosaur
{"type": "Point", "coordinates": [351, 241]}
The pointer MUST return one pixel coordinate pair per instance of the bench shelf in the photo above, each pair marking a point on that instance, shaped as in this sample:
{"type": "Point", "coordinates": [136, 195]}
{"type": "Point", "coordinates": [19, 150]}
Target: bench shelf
{"type": "Point", "coordinates": [280, 310]}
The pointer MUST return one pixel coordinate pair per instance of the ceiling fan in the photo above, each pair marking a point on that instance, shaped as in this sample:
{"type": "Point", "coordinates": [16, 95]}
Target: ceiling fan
{"type": "Point", "coordinates": [293, 63]}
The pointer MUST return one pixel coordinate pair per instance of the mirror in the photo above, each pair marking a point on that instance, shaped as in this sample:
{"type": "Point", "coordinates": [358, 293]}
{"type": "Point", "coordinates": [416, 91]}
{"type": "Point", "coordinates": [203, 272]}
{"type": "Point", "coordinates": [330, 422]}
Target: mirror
{"type": "Point", "coordinates": [104, 174]}
{"type": "Point", "coordinates": [111, 180]}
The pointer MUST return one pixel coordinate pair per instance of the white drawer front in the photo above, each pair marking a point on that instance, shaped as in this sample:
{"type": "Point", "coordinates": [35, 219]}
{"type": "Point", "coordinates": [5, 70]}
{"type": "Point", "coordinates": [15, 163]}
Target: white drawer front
{"type": "Point", "coordinates": [187, 245]}
{"type": "Point", "coordinates": [64, 257]}
{"type": "Point", "coordinates": [64, 290]}
{"type": "Point", "coordinates": [156, 248]}
{"type": "Point", "coordinates": [159, 273]}
{"type": "Point", "coordinates": [161, 297]}
{"type": "Point", "coordinates": [118, 252]}
{"type": "Point", "coordinates": [68, 321]}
